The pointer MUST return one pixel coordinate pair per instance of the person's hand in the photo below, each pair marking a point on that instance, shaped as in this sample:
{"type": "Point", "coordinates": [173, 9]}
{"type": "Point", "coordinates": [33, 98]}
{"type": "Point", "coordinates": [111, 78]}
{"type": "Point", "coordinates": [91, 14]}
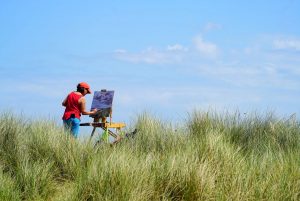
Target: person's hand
{"type": "Point", "coordinates": [94, 111]}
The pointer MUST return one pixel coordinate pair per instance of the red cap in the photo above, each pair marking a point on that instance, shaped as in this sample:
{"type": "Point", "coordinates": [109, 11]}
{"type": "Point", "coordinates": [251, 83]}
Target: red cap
{"type": "Point", "coordinates": [86, 86]}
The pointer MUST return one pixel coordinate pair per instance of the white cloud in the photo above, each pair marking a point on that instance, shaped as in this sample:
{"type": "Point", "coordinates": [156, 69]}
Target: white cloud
{"type": "Point", "coordinates": [285, 44]}
{"type": "Point", "coordinates": [147, 56]}
{"type": "Point", "coordinates": [211, 26]}
{"type": "Point", "coordinates": [177, 47]}
{"type": "Point", "coordinates": [175, 53]}
{"type": "Point", "coordinates": [251, 66]}
{"type": "Point", "coordinates": [206, 49]}
{"type": "Point", "coordinates": [172, 54]}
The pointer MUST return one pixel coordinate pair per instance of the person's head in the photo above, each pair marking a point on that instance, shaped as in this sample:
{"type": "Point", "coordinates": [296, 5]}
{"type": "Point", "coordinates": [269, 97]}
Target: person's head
{"type": "Point", "coordinates": [84, 88]}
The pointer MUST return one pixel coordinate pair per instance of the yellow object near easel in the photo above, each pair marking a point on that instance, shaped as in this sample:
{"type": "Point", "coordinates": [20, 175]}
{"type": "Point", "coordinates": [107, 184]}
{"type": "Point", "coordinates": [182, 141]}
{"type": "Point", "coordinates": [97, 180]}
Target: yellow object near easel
{"type": "Point", "coordinates": [102, 101]}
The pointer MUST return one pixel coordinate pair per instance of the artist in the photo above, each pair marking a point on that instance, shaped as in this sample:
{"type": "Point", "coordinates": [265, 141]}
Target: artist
{"type": "Point", "coordinates": [75, 107]}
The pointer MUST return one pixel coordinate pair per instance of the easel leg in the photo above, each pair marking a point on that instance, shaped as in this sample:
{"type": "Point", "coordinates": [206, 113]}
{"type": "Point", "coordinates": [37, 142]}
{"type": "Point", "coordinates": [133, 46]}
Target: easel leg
{"type": "Point", "coordinates": [94, 129]}
{"type": "Point", "coordinates": [93, 132]}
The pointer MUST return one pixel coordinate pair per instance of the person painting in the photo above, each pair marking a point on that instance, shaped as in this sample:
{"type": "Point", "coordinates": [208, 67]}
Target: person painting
{"type": "Point", "coordinates": [75, 107]}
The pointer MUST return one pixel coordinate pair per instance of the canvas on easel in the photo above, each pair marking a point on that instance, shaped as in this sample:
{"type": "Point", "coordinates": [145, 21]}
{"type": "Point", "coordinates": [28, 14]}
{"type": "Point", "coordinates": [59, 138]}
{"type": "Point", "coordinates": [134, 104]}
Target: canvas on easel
{"type": "Point", "coordinates": [102, 101]}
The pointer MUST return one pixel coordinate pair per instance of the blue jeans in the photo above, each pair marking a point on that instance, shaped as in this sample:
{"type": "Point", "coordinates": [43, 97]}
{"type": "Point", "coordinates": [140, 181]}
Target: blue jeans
{"type": "Point", "coordinates": [72, 125]}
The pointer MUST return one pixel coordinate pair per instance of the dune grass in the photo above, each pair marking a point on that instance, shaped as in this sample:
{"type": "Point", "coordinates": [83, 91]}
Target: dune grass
{"type": "Point", "coordinates": [210, 157]}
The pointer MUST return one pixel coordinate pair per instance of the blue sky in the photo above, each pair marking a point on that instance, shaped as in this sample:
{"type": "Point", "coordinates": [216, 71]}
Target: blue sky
{"type": "Point", "coordinates": [165, 57]}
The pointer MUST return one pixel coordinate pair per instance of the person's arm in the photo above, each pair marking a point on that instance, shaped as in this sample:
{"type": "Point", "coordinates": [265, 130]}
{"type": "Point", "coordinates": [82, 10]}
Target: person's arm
{"type": "Point", "coordinates": [64, 103]}
{"type": "Point", "coordinates": [82, 103]}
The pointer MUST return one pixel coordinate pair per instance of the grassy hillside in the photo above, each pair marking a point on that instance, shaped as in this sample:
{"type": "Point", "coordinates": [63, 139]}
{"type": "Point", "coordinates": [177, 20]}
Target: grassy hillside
{"type": "Point", "coordinates": [211, 157]}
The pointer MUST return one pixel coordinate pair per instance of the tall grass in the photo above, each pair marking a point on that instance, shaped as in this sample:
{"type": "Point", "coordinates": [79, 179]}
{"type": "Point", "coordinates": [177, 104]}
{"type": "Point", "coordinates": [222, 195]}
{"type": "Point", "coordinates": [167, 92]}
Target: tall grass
{"type": "Point", "coordinates": [210, 157]}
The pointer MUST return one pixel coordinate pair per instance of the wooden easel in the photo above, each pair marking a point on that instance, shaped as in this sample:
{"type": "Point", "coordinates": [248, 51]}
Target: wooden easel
{"type": "Point", "coordinates": [102, 114]}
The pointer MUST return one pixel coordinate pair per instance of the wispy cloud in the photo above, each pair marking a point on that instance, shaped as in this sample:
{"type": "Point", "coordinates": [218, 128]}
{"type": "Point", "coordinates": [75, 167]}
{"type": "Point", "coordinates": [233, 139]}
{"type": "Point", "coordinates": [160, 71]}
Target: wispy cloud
{"type": "Point", "coordinates": [171, 54]}
{"type": "Point", "coordinates": [252, 66]}
{"type": "Point", "coordinates": [211, 26]}
{"type": "Point", "coordinates": [177, 47]}
{"type": "Point", "coordinates": [287, 44]}
{"type": "Point", "coordinates": [255, 75]}
{"type": "Point", "coordinates": [175, 53]}
{"type": "Point", "coordinates": [206, 48]}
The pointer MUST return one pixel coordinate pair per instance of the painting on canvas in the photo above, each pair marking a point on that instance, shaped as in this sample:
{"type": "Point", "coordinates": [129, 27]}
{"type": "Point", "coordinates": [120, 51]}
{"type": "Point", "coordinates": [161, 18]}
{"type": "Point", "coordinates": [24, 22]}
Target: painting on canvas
{"type": "Point", "coordinates": [102, 99]}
